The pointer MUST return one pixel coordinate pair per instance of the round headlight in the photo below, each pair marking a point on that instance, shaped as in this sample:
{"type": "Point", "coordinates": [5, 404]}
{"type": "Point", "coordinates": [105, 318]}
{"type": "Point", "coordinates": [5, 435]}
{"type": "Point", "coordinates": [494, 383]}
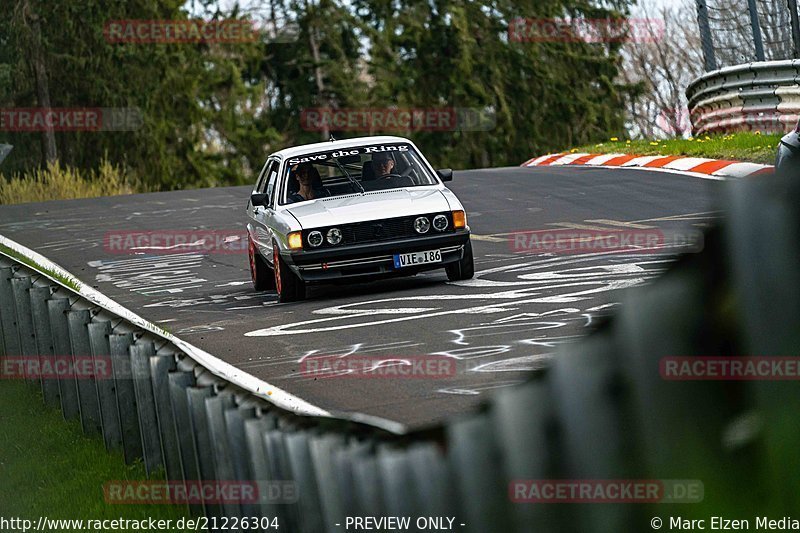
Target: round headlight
{"type": "Point", "coordinates": [315, 238]}
{"type": "Point", "coordinates": [422, 225]}
{"type": "Point", "coordinates": [440, 222]}
{"type": "Point", "coordinates": [334, 236]}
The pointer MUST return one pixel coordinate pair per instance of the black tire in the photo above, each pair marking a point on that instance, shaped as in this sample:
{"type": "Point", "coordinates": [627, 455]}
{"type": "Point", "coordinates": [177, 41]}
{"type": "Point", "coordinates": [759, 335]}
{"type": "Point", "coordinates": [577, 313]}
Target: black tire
{"type": "Point", "coordinates": [260, 273]}
{"type": "Point", "coordinates": [463, 269]}
{"type": "Point", "coordinates": [289, 287]}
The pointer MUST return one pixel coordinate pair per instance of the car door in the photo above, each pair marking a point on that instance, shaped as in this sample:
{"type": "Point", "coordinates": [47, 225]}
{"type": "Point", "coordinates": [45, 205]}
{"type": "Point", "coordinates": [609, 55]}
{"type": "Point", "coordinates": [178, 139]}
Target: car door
{"type": "Point", "coordinates": [263, 217]}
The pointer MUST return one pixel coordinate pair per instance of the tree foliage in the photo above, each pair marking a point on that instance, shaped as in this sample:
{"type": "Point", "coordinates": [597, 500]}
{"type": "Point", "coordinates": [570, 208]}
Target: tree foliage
{"type": "Point", "coordinates": [213, 111]}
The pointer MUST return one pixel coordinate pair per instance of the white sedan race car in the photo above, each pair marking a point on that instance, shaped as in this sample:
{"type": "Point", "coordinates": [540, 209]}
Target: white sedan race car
{"type": "Point", "coordinates": [344, 210]}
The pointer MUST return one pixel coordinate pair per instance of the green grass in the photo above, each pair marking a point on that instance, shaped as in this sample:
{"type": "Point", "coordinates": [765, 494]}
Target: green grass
{"type": "Point", "coordinates": [66, 280]}
{"type": "Point", "coordinates": [49, 468]}
{"type": "Point", "coordinates": [750, 147]}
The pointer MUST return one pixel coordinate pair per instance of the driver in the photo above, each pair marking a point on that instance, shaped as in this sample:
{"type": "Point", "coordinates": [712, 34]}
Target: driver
{"type": "Point", "coordinates": [383, 164]}
{"type": "Point", "coordinates": [385, 176]}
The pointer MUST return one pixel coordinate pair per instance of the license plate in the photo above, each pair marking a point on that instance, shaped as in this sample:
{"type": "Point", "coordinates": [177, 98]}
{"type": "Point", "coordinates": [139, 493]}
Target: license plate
{"type": "Point", "coordinates": [417, 258]}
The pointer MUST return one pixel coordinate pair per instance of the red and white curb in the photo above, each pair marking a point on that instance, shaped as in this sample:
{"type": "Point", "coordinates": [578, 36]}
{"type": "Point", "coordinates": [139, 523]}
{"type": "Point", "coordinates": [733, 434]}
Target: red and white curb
{"type": "Point", "coordinates": [696, 166]}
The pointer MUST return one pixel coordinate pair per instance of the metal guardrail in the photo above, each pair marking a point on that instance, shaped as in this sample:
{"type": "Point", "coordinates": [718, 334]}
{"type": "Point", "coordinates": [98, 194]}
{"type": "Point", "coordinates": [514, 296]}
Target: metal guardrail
{"type": "Point", "coordinates": [601, 411]}
{"type": "Point", "coordinates": [762, 96]}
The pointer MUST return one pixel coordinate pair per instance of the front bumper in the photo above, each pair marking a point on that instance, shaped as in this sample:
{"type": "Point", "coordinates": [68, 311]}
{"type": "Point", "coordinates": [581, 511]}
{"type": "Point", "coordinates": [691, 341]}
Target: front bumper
{"type": "Point", "coordinates": [375, 259]}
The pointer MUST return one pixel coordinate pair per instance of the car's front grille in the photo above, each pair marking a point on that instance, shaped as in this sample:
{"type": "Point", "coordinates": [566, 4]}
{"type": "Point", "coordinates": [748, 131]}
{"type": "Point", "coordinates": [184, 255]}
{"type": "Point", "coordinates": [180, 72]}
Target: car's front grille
{"type": "Point", "coordinates": [378, 230]}
{"type": "Point", "coordinates": [395, 228]}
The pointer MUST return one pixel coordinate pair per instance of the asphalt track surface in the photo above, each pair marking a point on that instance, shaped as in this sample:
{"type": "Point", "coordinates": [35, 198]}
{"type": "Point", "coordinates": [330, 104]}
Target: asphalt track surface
{"type": "Point", "coordinates": [511, 319]}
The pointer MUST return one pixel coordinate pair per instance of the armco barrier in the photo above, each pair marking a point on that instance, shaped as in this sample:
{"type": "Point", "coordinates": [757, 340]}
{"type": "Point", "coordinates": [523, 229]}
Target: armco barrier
{"type": "Point", "coordinates": [602, 411]}
{"type": "Point", "coordinates": [762, 96]}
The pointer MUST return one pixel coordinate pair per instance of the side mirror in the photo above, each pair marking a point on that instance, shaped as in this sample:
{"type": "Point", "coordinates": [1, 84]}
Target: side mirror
{"type": "Point", "coordinates": [445, 174]}
{"type": "Point", "coordinates": [259, 199]}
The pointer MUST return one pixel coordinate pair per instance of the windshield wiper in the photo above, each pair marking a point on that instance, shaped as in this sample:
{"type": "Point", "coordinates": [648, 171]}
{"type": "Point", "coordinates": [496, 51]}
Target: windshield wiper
{"type": "Point", "coordinates": [349, 177]}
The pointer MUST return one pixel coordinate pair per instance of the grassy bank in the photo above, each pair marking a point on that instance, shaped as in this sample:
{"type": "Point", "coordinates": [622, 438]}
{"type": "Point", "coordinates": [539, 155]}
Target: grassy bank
{"type": "Point", "coordinates": [751, 147]}
{"type": "Point", "coordinates": [49, 468]}
{"type": "Point", "coordinates": [57, 182]}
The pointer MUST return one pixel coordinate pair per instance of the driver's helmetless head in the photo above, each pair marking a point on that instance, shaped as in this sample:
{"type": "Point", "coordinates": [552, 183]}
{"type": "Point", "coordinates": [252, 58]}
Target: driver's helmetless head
{"type": "Point", "coordinates": [382, 163]}
{"type": "Point", "coordinates": [303, 172]}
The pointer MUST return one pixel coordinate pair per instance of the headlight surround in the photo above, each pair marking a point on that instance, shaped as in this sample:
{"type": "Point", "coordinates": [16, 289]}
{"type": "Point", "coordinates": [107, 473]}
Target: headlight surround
{"type": "Point", "coordinates": [334, 236]}
{"type": "Point", "coordinates": [422, 225]}
{"type": "Point", "coordinates": [440, 222]}
{"type": "Point", "coordinates": [314, 238]}
{"type": "Point", "coordinates": [295, 240]}
{"type": "Point", "coordinates": [459, 219]}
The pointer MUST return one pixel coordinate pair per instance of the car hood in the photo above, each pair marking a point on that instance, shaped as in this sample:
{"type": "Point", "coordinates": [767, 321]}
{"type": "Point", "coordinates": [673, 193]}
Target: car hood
{"type": "Point", "coordinates": [375, 205]}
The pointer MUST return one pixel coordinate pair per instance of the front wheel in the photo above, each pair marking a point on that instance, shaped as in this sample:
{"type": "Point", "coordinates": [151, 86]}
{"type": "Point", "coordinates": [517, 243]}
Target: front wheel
{"type": "Point", "coordinates": [464, 268]}
{"type": "Point", "coordinates": [289, 287]}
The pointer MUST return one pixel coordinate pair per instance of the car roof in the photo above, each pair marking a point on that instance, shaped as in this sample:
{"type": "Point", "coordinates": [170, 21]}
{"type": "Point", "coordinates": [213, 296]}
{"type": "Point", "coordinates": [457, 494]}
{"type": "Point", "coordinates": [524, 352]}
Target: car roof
{"type": "Point", "coordinates": [335, 145]}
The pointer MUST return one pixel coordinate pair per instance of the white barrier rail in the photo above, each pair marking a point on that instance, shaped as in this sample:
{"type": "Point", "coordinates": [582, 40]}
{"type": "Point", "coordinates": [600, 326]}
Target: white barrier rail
{"type": "Point", "coordinates": [762, 96]}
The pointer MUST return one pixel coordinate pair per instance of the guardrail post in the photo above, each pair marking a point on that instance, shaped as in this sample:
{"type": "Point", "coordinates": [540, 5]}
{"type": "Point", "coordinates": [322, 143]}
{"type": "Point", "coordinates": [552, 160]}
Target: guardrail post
{"type": "Point", "coordinates": [523, 418]}
{"type": "Point", "coordinates": [258, 465]}
{"type": "Point", "coordinates": [234, 424]}
{"type": "Point", "coordinates": [399, 493]}
{"type": "Point", "coordinates": [322, 449]}
{"type": "Point", "coordinates": [59, 327]}
{"type": "Point", "coordinates": [666, 319]}
{"type": "Point", "coordinates": [309, 504]}
{"type": "Point", "coordinates": [8, 317]}
{"type": "Point", "coordinates": [344, 461]}
{"type": "Point", "coordinates": [179, 382]}
{"type": "Point", "coordinates": [223, 460]}
{"type": "Point", "coordinates": [766, 282]}
{"type": "Point", "coordinates": [88, 404]}
{"type": "Point", "coordinates": [44, 341]}
{"type": "Point", "coordinates": [204, 449]}
{"type": "Point", "coordinates": [434, 489]}
{"type": "Point", "coordinates": [473, 458]}
{"type": "Point", "coordinates": [27, 337]}
{"type": "Point", "coordinates": [140, 354]}
{"type": "Point", "coordinates": [119, 347]}
{"type": "Point", "coordinates": [160, 366]}
{"type": "Point", "coordinates": [279, 466]}
{"type": "Point", "coordinates": [590, 400]}
{"type": "Point", "coordinates": [104, 382]}
{"type": "Point", "coordinates": [367, 484]}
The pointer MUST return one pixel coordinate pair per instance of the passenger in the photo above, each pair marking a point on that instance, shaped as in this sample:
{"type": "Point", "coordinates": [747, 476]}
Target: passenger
{"type": "Point", "coordinates": [306, 185]}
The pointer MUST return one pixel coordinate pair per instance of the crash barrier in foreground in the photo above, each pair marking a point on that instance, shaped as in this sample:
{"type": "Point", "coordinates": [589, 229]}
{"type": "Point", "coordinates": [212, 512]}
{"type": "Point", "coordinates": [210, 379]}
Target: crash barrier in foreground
{"type": "Point", "coordinates": [605, 410]}
{"type": "Point", "coordinates": [762, 96]}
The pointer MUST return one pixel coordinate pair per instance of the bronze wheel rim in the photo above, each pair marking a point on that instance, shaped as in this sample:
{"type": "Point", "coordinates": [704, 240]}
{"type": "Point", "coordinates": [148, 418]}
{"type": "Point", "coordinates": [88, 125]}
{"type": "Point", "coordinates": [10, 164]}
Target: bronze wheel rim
{"type": "Point", "coordinates": [276, 259]}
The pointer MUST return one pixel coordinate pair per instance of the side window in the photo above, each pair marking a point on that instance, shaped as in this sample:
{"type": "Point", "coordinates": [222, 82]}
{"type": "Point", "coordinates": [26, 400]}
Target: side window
{"type": "Point", "coordinates": [262, 178]}
{"type": "Point", "coordinates": [272, 178]}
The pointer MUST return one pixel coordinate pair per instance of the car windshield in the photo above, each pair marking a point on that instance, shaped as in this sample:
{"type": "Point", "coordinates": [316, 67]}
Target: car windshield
{"type": "Point", "coordinates": [353, 170]}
